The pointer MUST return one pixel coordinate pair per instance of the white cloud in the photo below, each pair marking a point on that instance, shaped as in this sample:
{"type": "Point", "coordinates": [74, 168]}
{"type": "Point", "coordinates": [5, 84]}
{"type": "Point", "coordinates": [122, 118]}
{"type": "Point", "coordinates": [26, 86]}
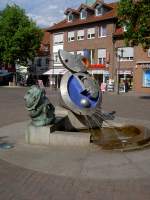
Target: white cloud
{"type": "Point", "coordinates": [51, 7]}
{"type": "Point", "coordinates": [41, 20]}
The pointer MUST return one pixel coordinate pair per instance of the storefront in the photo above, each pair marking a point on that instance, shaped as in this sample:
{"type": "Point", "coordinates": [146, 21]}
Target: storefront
{"type": "Point", "coordinates": [102, 76]}
{"type": "Point", "coordinates": [126, 75]}
{"type": "Point", "coordinates": [55, 76]}
{"type": "Point", "coordinates": [142, 77]}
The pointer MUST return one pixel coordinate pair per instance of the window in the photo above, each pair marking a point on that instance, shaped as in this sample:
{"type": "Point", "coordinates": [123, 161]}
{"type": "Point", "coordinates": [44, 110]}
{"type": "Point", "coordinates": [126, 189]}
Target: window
{"type": "Point", "coordinates": [99, 10]}
{"type": "Point", "coordinates": [89, 53]}
{"type": "Point", "coordinates": [127, 53]}
{"type": "Point", "coordinates": [56, 58]}
{"type": "Point", "coordinates": [102, 32]}
{"type": "Point", "coordinates": [80, 35]}
{"type": "Point", "coordinates": [39, 62]}
{"type": "Point", "coordinates": [102, 56]}
{"type": "Point", "coordinates": [91, 33]}
{"type": "Point", "coordinates": [46, 48]}
{"type": "Point", "coordinates": [148, 52]}
{"type": "Point", "coordinates": [146, 78]}
{"type": "Point", "coordinates": [47, 61]}
{"type": "Point", "coordinates": [72, 52]}
{"type": "Point", "coordinates": [125, 28]}
{"type": "Point", "coordinates": [83, 14]}
{"type": "Point", "coordinates": [58, 39]}
{"type": "Point", "coordinates": [80, 52]}
{"type": "Point", "coordinates": [71, 36]}
{"type": "Point", "coordinates": [70, 17]}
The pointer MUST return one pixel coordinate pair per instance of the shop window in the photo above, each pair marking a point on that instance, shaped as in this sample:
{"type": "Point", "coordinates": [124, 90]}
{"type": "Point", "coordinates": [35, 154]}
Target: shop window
{"type": "Point", "coordinates": [146, 78]}
{"type": "Point", "coordinates": [80, 35]}
{"type": "Point", "coordinates": [102, 32]}
{"type": "Point", "coordinates": [102, 56]}
{"type": "Point", "coordinates": [125, 53]}
{"type": "Point", "coordinates": [91, 33]}
{"type": "Point", "coordinates": [71, 36]}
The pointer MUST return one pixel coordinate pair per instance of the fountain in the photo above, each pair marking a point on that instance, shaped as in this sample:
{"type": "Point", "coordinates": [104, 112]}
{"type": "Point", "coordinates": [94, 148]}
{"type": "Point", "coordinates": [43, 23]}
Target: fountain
{"type": "Point", "coordinates": [81, 99]}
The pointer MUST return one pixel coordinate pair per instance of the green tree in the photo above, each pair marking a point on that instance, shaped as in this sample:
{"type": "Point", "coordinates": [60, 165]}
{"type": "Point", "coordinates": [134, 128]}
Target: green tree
{"type": "Point", "coordinates": [19, 36]}
{"type": "Point", "coordinates": [135, 16]}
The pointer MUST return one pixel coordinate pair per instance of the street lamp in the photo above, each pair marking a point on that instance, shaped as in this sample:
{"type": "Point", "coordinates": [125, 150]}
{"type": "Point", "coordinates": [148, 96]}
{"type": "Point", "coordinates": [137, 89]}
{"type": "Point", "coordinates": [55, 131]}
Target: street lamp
{"type": "Point", "coordinates": [119, 54]}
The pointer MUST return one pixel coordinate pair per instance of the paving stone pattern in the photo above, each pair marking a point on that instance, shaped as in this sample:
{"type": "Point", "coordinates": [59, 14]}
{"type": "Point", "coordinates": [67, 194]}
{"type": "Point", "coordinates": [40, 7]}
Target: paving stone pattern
{"type": "Point", "coordinates": [18, 183]}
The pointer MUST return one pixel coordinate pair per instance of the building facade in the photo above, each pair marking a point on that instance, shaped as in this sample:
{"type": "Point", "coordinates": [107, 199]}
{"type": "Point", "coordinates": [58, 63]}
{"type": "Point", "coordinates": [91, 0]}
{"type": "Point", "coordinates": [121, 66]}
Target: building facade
{"type": "Point", "coordinates": [91, 30]}
{"type": "Point", "coordinates": [40, 63]}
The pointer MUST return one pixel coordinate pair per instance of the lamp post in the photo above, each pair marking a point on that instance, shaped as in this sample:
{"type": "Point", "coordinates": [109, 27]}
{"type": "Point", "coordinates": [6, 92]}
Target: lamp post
{"type": "Point", "coordinates": [51, 66]}
{"type": "Point", "coordinates": [119, 55]}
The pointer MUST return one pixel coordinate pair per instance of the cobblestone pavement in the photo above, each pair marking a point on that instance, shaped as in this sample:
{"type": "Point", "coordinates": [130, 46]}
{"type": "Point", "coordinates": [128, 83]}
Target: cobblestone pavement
{"type": "Point", "coordinates": [128, 105]}
{"type": "Point", "coordinates": [19, 183]}
{"type": "Point", "coordinates": [12, 107]}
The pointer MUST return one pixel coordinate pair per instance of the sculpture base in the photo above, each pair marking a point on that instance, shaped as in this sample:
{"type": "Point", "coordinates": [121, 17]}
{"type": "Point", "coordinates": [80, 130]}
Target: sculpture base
{"type": "Point", "coordinates": [47, 135]}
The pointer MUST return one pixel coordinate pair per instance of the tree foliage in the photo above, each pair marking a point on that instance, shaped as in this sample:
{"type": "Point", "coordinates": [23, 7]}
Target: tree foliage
{"type": "Point", "coordinates": [135, 16]}
{"type": "Point", "coordinates": [19, 36]}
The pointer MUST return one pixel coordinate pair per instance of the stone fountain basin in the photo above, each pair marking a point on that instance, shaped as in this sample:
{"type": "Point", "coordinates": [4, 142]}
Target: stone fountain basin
{"type": "Point", "coordinates": [111, 137]}
{"type": "Point", "coordinates": [114, 134]}
{"type": "Point", "coordinates": [126, 137]}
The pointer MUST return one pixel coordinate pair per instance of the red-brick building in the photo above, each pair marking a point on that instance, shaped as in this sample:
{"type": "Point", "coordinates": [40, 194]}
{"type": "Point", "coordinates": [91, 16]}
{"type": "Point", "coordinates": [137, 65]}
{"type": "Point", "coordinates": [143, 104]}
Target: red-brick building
{"type": "Point", "coordinates": [94, 29]}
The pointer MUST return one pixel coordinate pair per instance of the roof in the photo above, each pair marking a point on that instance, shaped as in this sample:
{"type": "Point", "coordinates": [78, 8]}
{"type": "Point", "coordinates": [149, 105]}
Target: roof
{"type": "Point", "coordinates": [68, 10]}
{"type": "Point", "coordinates": [84, 6]}
{"type": "Point", "coordinates": [110, 5]}
{"type": "Point", "coordinates": [91, 19]}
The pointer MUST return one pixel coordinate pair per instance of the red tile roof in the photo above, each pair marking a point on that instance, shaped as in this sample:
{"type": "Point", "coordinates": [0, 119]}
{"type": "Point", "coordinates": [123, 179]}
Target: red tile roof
{"type": "Point", "coordinates": [71, 10]}
{"type": "Point", "coordinates": [85, 6]}
{"type": "Point", "coordinates": [106, 5]}
{"type": "Point", "coordinates": [65, 24]}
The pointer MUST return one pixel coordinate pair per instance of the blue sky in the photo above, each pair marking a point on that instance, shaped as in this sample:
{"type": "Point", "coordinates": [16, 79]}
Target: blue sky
{"type": "Point", "coordinates": [45, 12]}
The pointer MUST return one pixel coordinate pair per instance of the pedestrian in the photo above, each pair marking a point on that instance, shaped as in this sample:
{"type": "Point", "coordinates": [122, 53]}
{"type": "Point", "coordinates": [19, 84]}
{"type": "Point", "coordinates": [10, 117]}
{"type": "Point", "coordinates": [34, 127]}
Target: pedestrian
{"type": "Point", "coordinates": [126, 85]}
{"type": "Point", "coordinates": [103, 87]}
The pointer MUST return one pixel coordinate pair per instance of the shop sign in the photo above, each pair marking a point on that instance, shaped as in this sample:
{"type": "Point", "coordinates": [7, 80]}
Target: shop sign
{"type": "Point", "coordinates": [146, 65]}
{"type": "Point", "coordinates": [125, 72]}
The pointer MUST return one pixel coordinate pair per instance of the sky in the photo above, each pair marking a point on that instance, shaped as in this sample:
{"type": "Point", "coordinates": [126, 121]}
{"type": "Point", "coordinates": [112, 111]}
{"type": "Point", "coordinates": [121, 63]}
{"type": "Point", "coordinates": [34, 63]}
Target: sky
{"type": "Point", "coordinates": [45, 12]}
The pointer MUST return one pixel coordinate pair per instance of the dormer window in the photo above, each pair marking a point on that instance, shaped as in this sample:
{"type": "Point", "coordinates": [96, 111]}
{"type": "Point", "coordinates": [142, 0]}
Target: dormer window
{"type": "Point", "coordinates": [70, 17]}
{"type": "Point", "coordinates": [83, 14]}
{"type": "Point", "coordinates": [99, 10]}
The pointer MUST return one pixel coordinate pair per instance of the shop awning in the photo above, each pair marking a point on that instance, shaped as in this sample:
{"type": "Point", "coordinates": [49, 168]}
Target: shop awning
{"type": "Point", "coordinates": [143, 62]}
{"type": "Point", "coordinates": [97, 66]}
{"type": "Point", "coordinates": [55, 71]}
{"type": "Point", "coordinates": [125, 72]}
{"type": "Point", "coordinates": [98, 71]}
